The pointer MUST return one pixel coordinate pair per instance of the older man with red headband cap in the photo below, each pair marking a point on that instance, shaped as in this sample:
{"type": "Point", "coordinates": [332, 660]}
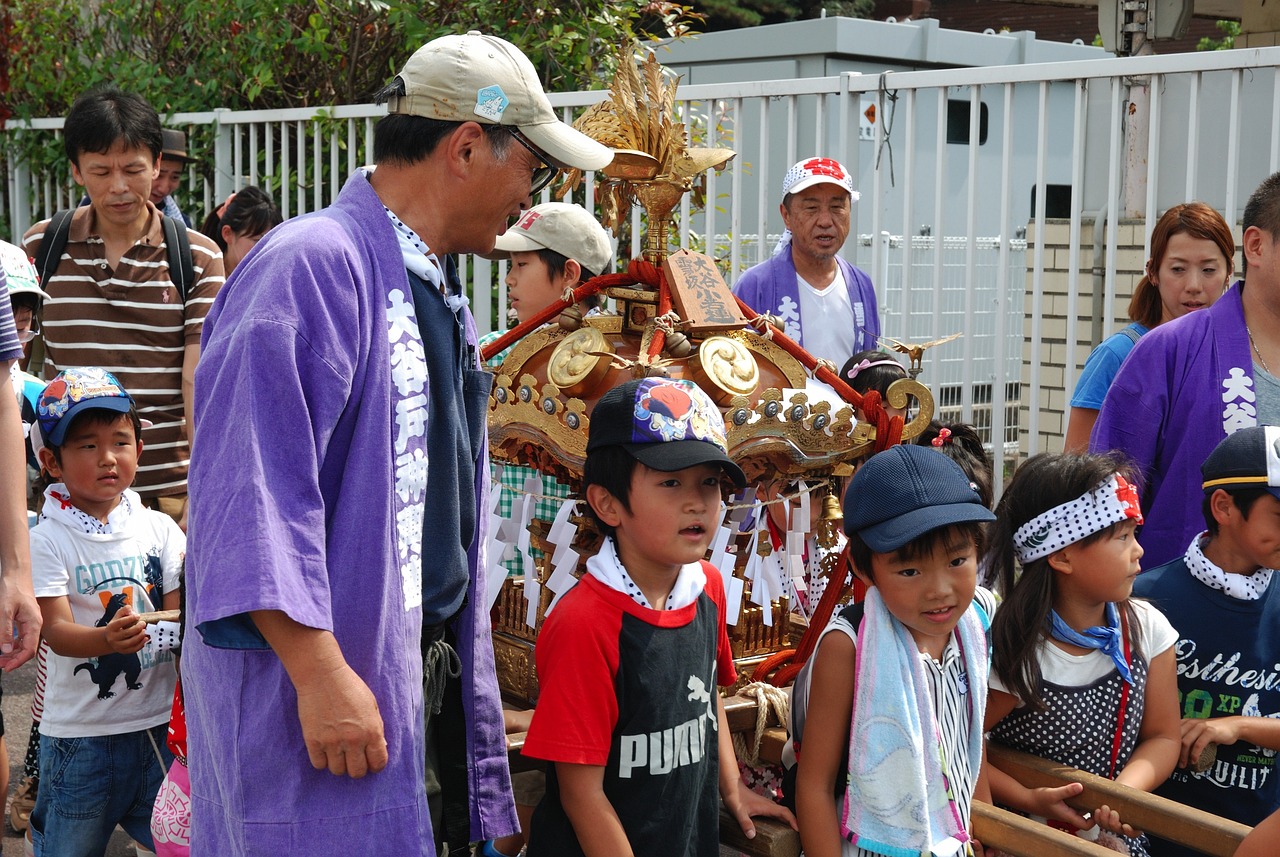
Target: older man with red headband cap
{"type": "Point", "coordinates": [824, 302]}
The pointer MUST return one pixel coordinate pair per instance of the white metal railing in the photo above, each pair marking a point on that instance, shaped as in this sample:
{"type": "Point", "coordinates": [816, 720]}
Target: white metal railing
{"type": "Point", "coordinates": [955, 152]}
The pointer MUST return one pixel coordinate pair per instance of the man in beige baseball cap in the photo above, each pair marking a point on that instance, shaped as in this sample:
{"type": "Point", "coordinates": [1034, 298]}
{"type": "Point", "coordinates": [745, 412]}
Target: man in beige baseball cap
{"type": "Point", "coordinates": [342, 452]}
{"type": "Point", "coordinates": [486, 79]}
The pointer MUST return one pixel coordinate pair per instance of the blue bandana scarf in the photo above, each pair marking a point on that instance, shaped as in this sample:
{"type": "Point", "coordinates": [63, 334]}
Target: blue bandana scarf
{"type": "Point", "coordinates": [1108, 639]}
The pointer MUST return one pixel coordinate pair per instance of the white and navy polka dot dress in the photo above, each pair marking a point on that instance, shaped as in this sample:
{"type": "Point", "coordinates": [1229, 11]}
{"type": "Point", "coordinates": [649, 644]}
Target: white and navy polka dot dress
{"type": "Point", "coordinates": [1078, 726]}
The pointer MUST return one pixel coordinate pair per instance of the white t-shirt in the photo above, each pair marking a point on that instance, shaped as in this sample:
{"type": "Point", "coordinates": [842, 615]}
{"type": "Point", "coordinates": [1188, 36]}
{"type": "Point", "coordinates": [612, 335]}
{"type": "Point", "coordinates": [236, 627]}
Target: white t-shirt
{"type": "Point", "coordinates": [99, 572]}
{"type": "Point", "coordinates": [1155, 636]}
{"type": "Point", "coordinates": [826, 319]}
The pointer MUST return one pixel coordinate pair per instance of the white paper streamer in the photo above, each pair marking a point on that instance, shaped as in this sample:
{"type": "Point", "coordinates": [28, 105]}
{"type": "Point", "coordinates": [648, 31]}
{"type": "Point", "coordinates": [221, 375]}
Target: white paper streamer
{"type": "Point", "coordinates": [733, 598]}
{"type": "Point", "coordinates": [532, 486]}
{"type": "Point", "coordinates": [532, 591]}
{"type": "Point", "coordinates": [494, 578]}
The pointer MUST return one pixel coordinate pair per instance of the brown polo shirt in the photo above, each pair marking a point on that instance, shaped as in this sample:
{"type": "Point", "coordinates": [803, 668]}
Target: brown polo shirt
{"type": "Point", "coordinates": [131, 322]}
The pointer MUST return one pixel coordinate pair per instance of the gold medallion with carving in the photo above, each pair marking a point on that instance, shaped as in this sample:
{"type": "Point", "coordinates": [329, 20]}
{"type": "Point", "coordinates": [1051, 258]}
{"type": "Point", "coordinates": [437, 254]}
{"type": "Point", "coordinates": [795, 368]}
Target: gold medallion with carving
{"type": "Point", "coordinates": [728, 365]}
{"type": "Point", "coordinates": [579, 361]}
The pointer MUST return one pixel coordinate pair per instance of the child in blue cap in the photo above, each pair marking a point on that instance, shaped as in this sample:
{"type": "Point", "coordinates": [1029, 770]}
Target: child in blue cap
{"type": "Point", "coordinates": [98, 559]}
{"type": "Point", "coordinates": [1220, 596]}
{"type": "Point", "coordinates": [888, 755]}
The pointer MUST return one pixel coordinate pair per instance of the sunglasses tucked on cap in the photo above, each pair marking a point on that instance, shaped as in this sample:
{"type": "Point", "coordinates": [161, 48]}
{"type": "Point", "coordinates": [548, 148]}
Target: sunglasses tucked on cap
{"type": "Point", "coordinates": [75, 390]}
{"type": "Point", "coordinates": [665, 425]}
{"type": "Point", "coordinates": [906, 491]}
{"type": "Point", "coordinates": [485, 79]}
{"type": "Point", "coordinates": [1249, 458]}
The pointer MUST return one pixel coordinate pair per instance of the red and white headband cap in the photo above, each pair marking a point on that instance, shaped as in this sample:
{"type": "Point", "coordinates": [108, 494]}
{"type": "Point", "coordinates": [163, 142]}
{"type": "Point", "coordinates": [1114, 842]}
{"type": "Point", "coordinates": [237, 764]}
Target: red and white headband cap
{"type": "Point", "coordinates": [1114, 500]}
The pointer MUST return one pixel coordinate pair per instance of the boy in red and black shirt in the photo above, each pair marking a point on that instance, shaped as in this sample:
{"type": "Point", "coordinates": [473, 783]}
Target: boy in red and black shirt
{"type": "Point", "coordinates": [629, 660]}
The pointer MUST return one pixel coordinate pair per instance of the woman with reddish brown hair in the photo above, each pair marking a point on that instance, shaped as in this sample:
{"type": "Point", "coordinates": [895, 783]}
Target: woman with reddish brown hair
{"type": "Point", "coordinates": [1191, 263]}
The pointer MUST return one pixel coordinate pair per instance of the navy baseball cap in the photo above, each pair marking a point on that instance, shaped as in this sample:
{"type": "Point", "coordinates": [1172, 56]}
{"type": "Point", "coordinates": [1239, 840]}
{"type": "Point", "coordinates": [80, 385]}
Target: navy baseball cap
{"type": "Point", "coordinates": [665, 425]}
{"type": "Point", "coordinates": [1249, 458]}
{"type": "Point", "coordinates": [906, 491]}
{"type": "Point", "coordinates": [75, 390]}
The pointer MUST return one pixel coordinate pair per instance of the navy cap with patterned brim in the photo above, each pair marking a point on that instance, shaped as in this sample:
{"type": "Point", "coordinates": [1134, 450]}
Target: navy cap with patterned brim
{"type": "Point", "coordinates": [666, 425]}
{"type": "Point", "coordinates": [906, 491]}
{"type": "Point", "coordinates": [75, 390]}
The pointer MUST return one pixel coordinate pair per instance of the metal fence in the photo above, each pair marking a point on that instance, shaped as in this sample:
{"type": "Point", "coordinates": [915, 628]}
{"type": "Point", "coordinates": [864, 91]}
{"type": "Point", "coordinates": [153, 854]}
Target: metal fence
{"type": "Point", "coordinates": [954, 152]}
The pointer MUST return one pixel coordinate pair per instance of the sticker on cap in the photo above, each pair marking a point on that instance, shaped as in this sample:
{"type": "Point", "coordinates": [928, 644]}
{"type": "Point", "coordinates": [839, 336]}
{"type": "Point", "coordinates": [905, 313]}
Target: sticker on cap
{"type": "Point", "coordinates": [491, 103]}
{"type": "Point", "coordinates": [826, 167]}
{"type": "Point", "coordinates": [526, 222]}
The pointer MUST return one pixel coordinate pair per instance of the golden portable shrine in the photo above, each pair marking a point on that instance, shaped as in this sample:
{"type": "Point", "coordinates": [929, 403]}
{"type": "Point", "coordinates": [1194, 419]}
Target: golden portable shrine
{"type": "Point", "coordinates": [788, 415]}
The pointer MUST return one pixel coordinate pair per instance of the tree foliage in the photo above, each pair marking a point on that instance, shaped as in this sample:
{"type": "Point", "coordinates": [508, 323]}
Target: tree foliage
{"type": "Point", "coordinates": [256, 54]}
{"type": "Point", "coordinates": [731, 14]}
{"type": "Point", "coordinates": [268, 54]}
{"type": "Point", "coordinates": [1229, 29]}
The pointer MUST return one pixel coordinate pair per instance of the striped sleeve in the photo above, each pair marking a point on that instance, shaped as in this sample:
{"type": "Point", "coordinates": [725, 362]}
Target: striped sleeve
{"type": "Point", "coordinates": [207, 260]}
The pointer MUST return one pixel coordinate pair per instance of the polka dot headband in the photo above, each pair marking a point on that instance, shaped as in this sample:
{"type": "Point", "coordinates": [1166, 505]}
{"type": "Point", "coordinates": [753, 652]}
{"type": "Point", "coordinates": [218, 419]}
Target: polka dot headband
{"type": "Point", "coordinates": [1112, 501]}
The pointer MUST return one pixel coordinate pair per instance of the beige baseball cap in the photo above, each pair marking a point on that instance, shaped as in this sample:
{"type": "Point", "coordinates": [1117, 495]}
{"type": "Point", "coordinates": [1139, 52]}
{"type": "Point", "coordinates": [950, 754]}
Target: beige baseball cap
{"type": "Point", "coordinates": [568, 229]}
{"type": "Point", "coordinates": [485, 79]}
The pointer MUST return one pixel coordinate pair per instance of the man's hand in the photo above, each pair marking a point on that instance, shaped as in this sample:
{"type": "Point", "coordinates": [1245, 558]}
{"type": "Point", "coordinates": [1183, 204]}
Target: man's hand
{"type": "Point", "coordinates": [18, 609]}
{"type": "Point", "coordinates": [19, 613]}
{"type": "Point", "coordinates": [341, 724]}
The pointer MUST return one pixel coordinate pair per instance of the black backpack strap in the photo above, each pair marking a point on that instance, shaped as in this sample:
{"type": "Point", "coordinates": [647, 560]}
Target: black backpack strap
{"type": "Point", "coordinates": [181, 269]}
{"type": "Point", "coordinates": [52, 244]}
{"type": "Point", "coordinates": [852, 614]}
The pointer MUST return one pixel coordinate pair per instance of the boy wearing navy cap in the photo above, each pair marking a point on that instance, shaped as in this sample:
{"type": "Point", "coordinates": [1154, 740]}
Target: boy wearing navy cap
{"type": "Point", "coordinates": [629, 659]}
{"type": "Point", "coordinates": [98, 558]}
{"type": "Point", "coordinates": [897, 771]}
{"type": "Point", "coordinates": [1218, 595]}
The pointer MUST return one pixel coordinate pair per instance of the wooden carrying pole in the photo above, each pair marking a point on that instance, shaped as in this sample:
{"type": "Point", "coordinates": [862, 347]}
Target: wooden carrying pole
{"type": "Point", "coordinates": [1020, 836]}
{"type": "Point", "coordinates": [1209, 834]}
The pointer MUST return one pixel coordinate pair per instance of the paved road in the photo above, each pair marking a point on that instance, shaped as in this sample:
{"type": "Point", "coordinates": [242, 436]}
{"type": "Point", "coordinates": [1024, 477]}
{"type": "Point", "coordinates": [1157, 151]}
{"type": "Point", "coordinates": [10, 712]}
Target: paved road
{"type": "Point", "coordinates": [17, 727]}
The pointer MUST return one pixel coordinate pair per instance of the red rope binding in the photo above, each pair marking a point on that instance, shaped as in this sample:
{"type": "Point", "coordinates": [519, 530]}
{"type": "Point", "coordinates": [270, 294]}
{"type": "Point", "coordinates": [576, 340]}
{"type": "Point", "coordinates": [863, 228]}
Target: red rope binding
{"type": "Point", "coordinates": [638, 271]}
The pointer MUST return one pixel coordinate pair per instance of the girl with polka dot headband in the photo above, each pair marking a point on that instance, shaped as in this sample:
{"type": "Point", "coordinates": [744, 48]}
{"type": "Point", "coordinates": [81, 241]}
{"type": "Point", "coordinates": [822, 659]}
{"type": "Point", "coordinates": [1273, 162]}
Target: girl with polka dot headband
{"type": "Point", "coordinates": [1081, 674]}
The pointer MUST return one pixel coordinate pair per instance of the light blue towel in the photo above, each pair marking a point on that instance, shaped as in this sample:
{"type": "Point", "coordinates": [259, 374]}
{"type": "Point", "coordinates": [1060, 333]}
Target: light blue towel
{"type": "Point", "coordinates": [897, 803]}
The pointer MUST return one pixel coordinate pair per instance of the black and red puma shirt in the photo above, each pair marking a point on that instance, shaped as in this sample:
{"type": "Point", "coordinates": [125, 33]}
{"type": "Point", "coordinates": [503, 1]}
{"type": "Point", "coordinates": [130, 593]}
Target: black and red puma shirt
{"type": "Point", "coordinates": [634, 690]}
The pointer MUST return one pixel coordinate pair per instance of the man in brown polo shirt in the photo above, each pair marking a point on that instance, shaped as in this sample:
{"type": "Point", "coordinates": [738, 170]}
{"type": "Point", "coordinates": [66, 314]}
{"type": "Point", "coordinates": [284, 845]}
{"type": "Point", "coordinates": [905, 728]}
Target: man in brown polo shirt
{"type": "Point", "coordinates": [112, 300]}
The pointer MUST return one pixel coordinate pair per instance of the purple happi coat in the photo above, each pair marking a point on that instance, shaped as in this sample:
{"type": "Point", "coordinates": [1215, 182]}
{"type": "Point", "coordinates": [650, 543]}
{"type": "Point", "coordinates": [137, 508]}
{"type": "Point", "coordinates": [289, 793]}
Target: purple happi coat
{"type": "Point", "coordinates": [1184, 387]}
{"type": "Point", "coordinates": [307, 487]}
{"type": "Point", "coordinates": [771, 287]}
